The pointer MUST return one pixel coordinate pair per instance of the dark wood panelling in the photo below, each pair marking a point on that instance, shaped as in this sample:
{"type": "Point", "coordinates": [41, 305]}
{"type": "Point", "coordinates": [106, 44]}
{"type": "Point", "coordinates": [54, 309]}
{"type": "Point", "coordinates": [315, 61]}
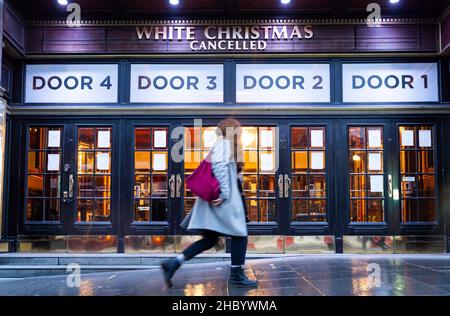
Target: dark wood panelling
{"type": "Point", "coordinates": [14, 28]}
{"type": "Point", "coordinates": [327, 38]}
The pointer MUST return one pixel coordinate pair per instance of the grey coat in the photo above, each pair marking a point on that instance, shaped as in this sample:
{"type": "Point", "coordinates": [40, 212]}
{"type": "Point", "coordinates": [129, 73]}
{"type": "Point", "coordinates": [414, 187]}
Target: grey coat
{"type": "Point", "coordinates": [229, 217]}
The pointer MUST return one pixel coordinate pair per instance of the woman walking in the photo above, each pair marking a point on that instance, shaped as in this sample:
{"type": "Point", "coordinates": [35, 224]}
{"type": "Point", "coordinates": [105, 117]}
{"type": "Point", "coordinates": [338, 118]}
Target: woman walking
{"type": "Point", "coordinates": [224, 216]}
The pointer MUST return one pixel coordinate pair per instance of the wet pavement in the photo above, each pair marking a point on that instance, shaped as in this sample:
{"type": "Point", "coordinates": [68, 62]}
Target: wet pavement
{"type": "Point", "coordinates": [307, 275]}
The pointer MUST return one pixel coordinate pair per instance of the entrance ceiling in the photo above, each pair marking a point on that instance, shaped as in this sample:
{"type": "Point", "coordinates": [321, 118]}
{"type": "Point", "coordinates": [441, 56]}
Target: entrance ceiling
{"type": "Point", "coordinates": [50, 9]}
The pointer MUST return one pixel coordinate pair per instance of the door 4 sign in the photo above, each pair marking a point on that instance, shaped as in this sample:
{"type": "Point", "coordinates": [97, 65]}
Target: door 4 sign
{"type": "Point", "coordinates": [182, 83]}
{"type": "Point", "coordinates": [406, 82]}
{"type": "Point", "coordinates": [74, 83]}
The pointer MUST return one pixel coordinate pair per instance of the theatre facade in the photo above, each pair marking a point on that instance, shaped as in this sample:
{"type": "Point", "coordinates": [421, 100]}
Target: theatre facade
{"type": "Point", "coordinates": [345, 131]}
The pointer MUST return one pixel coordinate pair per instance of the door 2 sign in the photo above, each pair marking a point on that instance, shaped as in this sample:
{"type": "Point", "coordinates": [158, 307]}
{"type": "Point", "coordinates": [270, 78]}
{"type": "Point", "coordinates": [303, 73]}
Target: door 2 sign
{"type": "Point", "coordinates": [407, 82]}
{"type": "Point", "coordinates": [176, 83]}
{"type": "Point", "coordinates": [71, 83]}
{"type": "Point", "coordinates": [282, 83]}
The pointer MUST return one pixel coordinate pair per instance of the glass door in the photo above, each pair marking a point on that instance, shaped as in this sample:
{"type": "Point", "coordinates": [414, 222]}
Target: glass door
{"type": "Point", "coordinates": [307, 179]}
{"type": "Point", "coordinates": [418, 179]}
{"type": "Point", "coordinates": [366, 190]}
{"type": "Point", "coordinates": [261, 159]}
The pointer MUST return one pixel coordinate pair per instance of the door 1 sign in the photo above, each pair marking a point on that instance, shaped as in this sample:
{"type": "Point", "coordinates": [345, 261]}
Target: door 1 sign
{"type": "Point", "coordinates": [71, 83]}
{"type": "Point", "coordinates": [406, 82]}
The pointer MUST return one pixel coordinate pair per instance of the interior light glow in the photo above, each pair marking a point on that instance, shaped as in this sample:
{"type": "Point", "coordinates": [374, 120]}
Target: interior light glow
{"type": "Point", "coordinates": [394, 1]}
{"type": "Point", "coordinates": [63, 2]}
{"type": "Point", "coordinates": [285, 1]}
{"type": "Point", "coordinates": [174, 2]}
{"type": "Point", "coordinates": [356, 158]}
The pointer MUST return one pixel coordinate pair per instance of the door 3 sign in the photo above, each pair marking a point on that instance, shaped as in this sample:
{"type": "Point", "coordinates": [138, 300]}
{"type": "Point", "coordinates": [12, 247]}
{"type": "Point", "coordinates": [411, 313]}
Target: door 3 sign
{"type": "Point", "coordinates": [176, 83]}
{"type": "Point", "coordinates": [282, 83]}
{"type": "Point", "coordinates": [71, 83]}
{"type": "Point", "coordinates": [406, 82]}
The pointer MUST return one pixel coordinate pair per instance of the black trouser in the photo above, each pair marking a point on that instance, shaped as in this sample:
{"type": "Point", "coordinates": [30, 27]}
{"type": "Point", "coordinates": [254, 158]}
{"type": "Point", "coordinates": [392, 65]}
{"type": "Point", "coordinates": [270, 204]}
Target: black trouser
{"type": "Point", "coordinates": [238, 247]}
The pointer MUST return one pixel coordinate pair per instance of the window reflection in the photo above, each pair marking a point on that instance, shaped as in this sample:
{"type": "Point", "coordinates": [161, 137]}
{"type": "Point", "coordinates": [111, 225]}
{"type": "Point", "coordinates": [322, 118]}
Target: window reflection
{"type": "Point", "coordinates": [417, 173]}
{"type": "Point", "coordinates": [43, 174]}
{"type": "Point", "coordinates": [308, 174]}
{"type": "Point", "coordinates": [150, 174]}
{"type": "Point", "coordinates": [366, 173]}
{"type": "Point", "coordinates": [94, 174]}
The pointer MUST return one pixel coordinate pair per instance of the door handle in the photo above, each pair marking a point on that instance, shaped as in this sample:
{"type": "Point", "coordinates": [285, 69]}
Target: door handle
{"type": "Point", "coordinates": [287, 185]}
{"type": "Point", "coordinates": [390, 185]}
{"type": "Point", "coordinates": [71, 186]}
{"type": "Point", "coordinates": [280, 186]}
{"type": "Point", "coordinates": [172, 186]}
{"type": "Point", "coordinates": [179, 185]}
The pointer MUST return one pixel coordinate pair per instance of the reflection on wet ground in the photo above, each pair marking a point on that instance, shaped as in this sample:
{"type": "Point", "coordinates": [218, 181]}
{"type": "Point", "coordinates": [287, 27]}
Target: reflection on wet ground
{"type": "Point", "coordinates": [304, 275]}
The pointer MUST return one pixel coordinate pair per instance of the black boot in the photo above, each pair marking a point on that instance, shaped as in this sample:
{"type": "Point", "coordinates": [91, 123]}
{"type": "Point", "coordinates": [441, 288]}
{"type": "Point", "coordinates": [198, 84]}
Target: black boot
{"type": "Point", "coordinates": [238, 277]}
{"type": "Point", "coordinates": [169, 267]}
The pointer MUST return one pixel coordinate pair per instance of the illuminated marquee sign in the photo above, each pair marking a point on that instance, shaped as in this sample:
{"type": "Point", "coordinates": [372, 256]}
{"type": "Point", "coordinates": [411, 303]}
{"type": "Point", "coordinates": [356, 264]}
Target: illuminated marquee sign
{"type": "Point", "coordinates": [226, 37]}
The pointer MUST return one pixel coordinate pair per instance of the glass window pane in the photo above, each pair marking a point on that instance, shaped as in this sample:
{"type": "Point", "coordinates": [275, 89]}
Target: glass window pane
{"type": "Point", "coordinates": [409, 210]}
{"type": "Point", "coordinates": [299, 137]}
{"type": "Point", "coordinates": [250, 161]}
{"type": "Point", "coordinates": [267, 137]}
{"type": "Point", "coordinates": [142, 210]}
{"type": "Point", "coordinates": [300, 210]}
{"type": "Point", "coordinates": [317, 160]}
{"type": "Point", "coordinates": [426, 186]}
{"type": "Point", "coordinates": [52, 210]}
{"type": "Point", "coordinates": [209, 137]}
{"type": "Point", "coordinates": [102, 210]}
{"type": "Point", "coordinates": [249, 137]}
{"type": "Point", "coordinates": [159, 210]}
{"type": "Point", "coordinates": [103, 138]}
{"type": "Point", "coordinates": [267, 210]}
{"type": "Point", "coordinates": [159, 138]}
{"type": "Point", "coordinates": [84, 210]}
{"type": "Point", "coordinates": [86, 138]}
{"type": "Point", "coordinates": [159, 161]}
{"type": "Point", "coordinates": [425, 137]}
{"type": "Point", "coordinates": [267, 162]}
{"type": "Point", "coordinates": [357, 210]}
{"type": "Point", "coordinates": [52, 186]}
{"type": "Point", "coordinates": [36, 161]}
{"type": "Point", "coordinates": [374, 138]}
{"type": "Point", "coordinates": [251, 186]}
{"type": "Point", "coordinates": [408, 161]}
{"type": "Point", "coordinates": [427, 210]}
{"type": "Point", "coordinates": [357, 137]}
{"type": "Point", "coordinates": [317, 137]}
{"type": "Point", "coordinates": [267, 186]}
{"type": "Point", "coordinates": [35, 185]}
{"type": "Point", "coordinates": [317, 186]}
{"type": "Point", "coordinates": [142, 161]}
{"type": "Point", "coordinates": [102, 186]}
{"type": "Point", "coordinates": [375, 210]}
{"type": "Point", "coordinates": [317, 210]}
{"type": "Point", "coordinates": [408, 186]}
{"type": "Point", "coordinates": [357, 162]}
{"type": "Point", "coordinates": [35, 210]}
{"type": "Point", "coordinates": [159, 186]}
{"type": "Point", "coordinates": [85, 186]}
{"type": "Point", "coordinates": [191, 160]}
{"type": "Point", "coordinates": [103, 162]}
{"type": "Point", "coordinates": [192, 138]}
{"type": "Point", "coordinates": [142, 187]}
{"type": "Point", "coordinates": [300, 161]}
{"type": "Point", "coordinates": [142, 138]}
{"type": "Point", "coordinates": [299, 185]}
{"type": "Point", "coordinates": [426, 161]}
{"type": "Point", "coordinates": [358, 186]}
{"type": "Point", "coordinates": [85, 162]}
{"type": "Point", "coordinates": [188, 204]}
{"type": "Point", "coordinates": [407, 137]}
{"type": "Point", "coordinates": [37, 136]}
{"type": "Point", "coordinates": [252, 209]}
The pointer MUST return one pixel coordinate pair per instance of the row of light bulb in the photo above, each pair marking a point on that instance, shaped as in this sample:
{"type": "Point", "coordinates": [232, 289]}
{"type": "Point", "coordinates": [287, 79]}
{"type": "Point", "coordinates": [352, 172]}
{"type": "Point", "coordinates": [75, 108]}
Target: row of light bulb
{"type": "Point", "coordinates": [177, 2]}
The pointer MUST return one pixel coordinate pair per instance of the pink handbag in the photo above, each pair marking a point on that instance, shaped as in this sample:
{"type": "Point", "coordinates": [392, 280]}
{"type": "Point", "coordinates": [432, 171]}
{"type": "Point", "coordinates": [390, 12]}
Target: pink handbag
{"type": "Point", "coordinates": [202, 181]}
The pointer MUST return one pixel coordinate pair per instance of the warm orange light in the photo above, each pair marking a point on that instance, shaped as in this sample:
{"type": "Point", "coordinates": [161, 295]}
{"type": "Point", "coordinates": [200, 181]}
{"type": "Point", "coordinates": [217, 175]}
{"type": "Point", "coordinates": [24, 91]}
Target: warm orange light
{"type": "Point", "coordinates": [356, 158]}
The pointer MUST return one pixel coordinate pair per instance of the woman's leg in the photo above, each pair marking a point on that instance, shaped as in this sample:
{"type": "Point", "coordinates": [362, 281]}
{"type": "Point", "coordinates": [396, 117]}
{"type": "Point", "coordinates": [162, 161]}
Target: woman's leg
{"type": "Point", "coordinates": [208, 241]}
{"type": "Point", "coordinates": [237, 275]}
{"type": "Point", "coordinates": [238, 250]}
